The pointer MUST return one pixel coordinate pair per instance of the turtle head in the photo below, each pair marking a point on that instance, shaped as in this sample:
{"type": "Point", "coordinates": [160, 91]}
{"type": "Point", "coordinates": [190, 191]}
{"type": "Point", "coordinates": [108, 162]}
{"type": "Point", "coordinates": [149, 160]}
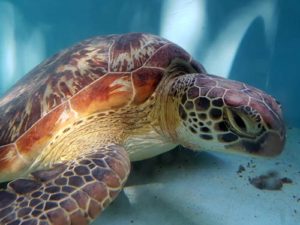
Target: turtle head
{"type": "Point", "coordinates": [224, 115]}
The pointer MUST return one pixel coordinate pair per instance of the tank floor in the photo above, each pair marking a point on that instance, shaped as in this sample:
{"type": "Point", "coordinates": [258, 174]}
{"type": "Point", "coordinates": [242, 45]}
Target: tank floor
{"type": "Point", "coordinates": [188, 188]}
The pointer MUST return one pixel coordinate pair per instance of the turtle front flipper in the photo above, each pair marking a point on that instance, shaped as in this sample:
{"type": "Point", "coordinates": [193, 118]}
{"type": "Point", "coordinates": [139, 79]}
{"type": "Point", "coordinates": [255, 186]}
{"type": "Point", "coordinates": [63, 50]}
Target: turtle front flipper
{"type": "Point", "coordinates": [71, 193]}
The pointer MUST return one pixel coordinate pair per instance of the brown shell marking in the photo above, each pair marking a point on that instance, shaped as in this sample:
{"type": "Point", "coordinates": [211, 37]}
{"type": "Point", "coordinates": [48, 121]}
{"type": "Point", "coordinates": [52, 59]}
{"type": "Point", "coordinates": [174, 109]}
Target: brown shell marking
{"type": "Point", "coordinates": [42, 131]}
{"type": "Point", "coordinates": [166, 54]}
{"type": "Point", "coordinates": [97, 74]}
{"type": "Point", "coordinates": [111, 91]}
{"type": "Point", "coordinates": [132, 51]}
{"type": "Point", "coordinates": [145, 81]}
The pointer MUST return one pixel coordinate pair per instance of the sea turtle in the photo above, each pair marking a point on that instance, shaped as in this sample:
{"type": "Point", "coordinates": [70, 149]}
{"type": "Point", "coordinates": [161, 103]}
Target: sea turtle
{"type": "Point", "coordinates": [70, 127]}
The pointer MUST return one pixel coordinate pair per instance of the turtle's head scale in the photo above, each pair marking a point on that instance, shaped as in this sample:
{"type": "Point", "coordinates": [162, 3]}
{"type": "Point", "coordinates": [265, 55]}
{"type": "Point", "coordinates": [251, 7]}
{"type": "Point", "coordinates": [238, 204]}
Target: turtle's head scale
{"type": "Point", "coordinates": [223, 115]}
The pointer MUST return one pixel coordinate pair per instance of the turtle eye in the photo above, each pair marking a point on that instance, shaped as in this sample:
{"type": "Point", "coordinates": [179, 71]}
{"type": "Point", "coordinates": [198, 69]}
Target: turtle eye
{"type": "Point", "coordinates": [241, 123]}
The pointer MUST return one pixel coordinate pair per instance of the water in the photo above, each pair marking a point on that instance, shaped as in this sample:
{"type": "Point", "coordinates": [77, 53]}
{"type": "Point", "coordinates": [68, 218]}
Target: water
{"type": "Point", "coordinates": [257, 42]}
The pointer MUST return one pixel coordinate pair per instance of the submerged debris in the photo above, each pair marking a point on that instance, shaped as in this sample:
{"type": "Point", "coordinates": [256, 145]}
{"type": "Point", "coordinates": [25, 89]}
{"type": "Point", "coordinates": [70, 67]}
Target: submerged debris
{"type": "Point", "coordinates": [241, 169]}
{"type": "Point", "coordinates": [270, 181]}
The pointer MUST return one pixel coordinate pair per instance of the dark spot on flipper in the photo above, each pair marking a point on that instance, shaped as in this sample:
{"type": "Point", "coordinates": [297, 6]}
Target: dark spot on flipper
{"type": "Point", "coordinates": [50, 205]}
{"type": "Point", "coordinates": [36, 213]}
{"type": "Point", "coordinates": [34, 202]}
{"type": "Point", "coordinates": [45, 175]}
{"type": "Point", "coordinates": [88, 178]}
{"type": "Point", "coordinates": [57, 196]}
{"type": "Point", "coordinates": [92, 166]}
{"type": "Point", "coordinates": [107, 176]}
{"type": "Point", "coordinates": [100, 162]}
{"type": "Point", "coordinates": [96, 191]}
{"type": "Point", "coordinates": [45, 197]}
{"type": "Point", "coordinates": [57, 216]}
{"type": "Point", "coordinates": [68, 204]}
{"type": "Point", "coordinates": [82, 170]}
{"type": "Point", "coordinates": [94, 209]}
{"type": "Point", "coordinates": [68, 174]}
{"type": "Point", "coordinates": [106, 203]}
{"type": "Point", "coordinates": [9, 217]}
{"type": "Point", "coordinates": [117, 167]}
{"type": "Point", "coordinates": [113, 194]}
{"type": "Point", "coordinates": [16, 222]}
{"type": "Point", "coordinates": [67, 189]}
{"type": "Point", "coordinates": [40, 206]}
{"type": "Point", "coordinates": [36, 194]}
{"type": "Point", "coordinates": [29, 222]}
{"type": "Point", "coordinates": [24, 211]}
{"type": "Point", "coordinates": [97, 156]}
{"type": "Point", "coordinates": [43, 223]}
{"type": "Point", "coordinates": [81, 198]}
{"type": "Point", "coordinates": [85, 162]}
{"type": "Point", "coordinates": [43, 220]}
{"type": "Point", "coordinates": [6, 199]}
{"type": "Point", "coordinates": [23, 186]}
{"type": "Point", "coordinates": [61, 181]}
{"type": "Point", "coordinates": [52, 189]}
{"type": "Point", "coordinates": [76, 181]}
{"type": "Point", "coordinates": [77, 218]}
{"type": "Point", "coordinates": [20, 199]}
{"type": "Point", "coordinates": [4, 212]}
{"type": "Point", "coordinates": [24, 203]}
{"type": "Point", "coordinates": [102, 174]}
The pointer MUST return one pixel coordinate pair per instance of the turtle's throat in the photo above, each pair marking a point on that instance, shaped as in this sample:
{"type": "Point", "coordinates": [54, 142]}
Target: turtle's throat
{"type": "Point", "coordinates": [168, 98]}
{"type": "Point", "coordinates": [166, 113]}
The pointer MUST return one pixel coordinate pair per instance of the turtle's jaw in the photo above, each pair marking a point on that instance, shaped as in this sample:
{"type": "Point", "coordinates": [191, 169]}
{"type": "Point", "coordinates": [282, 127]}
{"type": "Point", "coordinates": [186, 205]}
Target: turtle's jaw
{"type": "Point", "coordinates": [271, 144]}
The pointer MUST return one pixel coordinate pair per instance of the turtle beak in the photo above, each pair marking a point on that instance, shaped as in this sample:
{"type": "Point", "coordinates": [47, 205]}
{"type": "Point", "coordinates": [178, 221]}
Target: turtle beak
{"type": "Point", "coordinates": [271, 143]}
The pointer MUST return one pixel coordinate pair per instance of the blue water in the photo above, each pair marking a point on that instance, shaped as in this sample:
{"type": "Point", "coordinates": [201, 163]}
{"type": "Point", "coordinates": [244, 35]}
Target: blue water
{"type": "Point", "coordinates": [255, 41]}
